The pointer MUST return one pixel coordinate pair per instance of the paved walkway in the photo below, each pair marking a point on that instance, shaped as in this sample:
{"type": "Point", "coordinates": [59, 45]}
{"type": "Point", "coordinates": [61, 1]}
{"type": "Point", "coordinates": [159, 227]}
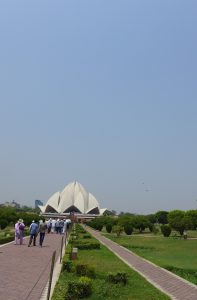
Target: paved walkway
{"type": "Point", "coordinates": [24, 271]}
{"type": "Point", "coordinates": [172, 285]}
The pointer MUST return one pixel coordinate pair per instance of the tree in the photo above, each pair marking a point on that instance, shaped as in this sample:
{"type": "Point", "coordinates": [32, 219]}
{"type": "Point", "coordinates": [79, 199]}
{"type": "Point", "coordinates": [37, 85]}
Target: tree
{"type": "Point", "coordinates": [108, 213]}
{"type": "Point", "coordinates": [8, 214]}
{"type": "Point", "coordinates": [162, 217]}
{"type": "Point", "coordinates": [128, 229]}
{"type": "Point", "coordinates": [166, 230]}
{"type": "Point", "coordinates": [3, 223]}
{"type": "Point", "coordinates": [192, 214]}
{"type": "Point", "coordinates": [152, 218]}
{"type": "Point", "coordinates": [140, 223]}
{"type": "Point", "coordinates": [117, 229]}
{"type": "Point", "coordinates": [125, 220]}
{"type": "Point", "coordinates": [109, 227]}
{"type": "Point", "coordinates": [177, 221]}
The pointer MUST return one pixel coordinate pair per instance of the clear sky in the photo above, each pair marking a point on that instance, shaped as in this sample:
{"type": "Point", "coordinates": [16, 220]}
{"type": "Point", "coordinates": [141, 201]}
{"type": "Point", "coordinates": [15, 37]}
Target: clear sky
{"type": "Point", "coordinates": [103, 92]}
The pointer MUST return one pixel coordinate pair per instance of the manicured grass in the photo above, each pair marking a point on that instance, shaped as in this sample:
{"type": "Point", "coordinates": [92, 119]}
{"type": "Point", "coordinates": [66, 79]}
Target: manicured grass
{"type": "Point", "coordinates": [105, 261]}
{"type": "Point", "coordinates": [175, 254]}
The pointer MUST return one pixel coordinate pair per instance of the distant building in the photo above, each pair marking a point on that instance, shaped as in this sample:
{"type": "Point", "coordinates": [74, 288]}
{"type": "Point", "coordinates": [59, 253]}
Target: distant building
{"type": "Point", "coordinates": [37, 203]}
{"type": "Point", "coordinates": [73, 199]}
{"type": "Point", "coordinates": [12, 204]}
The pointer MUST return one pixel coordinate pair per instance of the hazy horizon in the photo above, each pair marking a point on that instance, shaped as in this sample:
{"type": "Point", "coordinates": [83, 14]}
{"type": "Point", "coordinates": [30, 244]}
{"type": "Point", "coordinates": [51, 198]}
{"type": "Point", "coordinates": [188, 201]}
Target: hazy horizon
{"type": "Point", "coordinates": [101, 92]}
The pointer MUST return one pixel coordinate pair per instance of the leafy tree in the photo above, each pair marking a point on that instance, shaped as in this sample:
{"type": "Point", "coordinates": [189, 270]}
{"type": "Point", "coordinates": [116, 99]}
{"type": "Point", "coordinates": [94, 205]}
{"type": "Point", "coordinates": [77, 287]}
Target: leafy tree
{"type": "Point", "coordinates": [109, 227]}
{"type": "Point", "coordinates": [125, 220]}
{"type": "Point", "coordinates": [166, 230]}
{"type": "Point", "coordinates": [152, 218]}
{"type": "Point", "coordinates": [177, 221]}
{"type": "Point", "coordinates": [97, 223]}
{"type": "Point", "coordinates": [117, 229]}
{"type": "Point", "coordinates": [162, 217]}
{"type": "Point", "coordinates": [28, 217]}
{"type": "Point", "coordinates": [110, 213]}
{"type": "Point", "coordinates": [141, 223]}
{"type": "Point", "coordinates": [192, 214]}
{"type": "Point", "coordinates": [151, 226]}
{"type": "Point", "coordinates": [128, 229]}
{"type": "Point", "coordinates": [9, 214]}
{"type": "Point", "coordinates": [3, 223]}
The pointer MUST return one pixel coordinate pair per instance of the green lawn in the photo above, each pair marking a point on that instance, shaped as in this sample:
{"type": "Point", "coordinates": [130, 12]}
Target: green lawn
{"type": "Point", "coordinates": [177, 255]}
{"type": "Point", "coordinates": [105, 261]}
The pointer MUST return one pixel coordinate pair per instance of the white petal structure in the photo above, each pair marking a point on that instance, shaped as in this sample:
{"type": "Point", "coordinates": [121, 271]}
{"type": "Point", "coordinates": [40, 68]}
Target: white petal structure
{"type": "Point", "coordinates": [93, 207]}
{"type": "Point", "coordinates": [73, 198]}
{"type": "Point", "coordinates": [52, 204]}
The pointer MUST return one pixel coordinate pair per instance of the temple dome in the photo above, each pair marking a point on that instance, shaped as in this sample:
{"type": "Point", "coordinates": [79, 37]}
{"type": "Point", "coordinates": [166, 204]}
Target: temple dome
{"type": "Point", "coordinates": [73, 198]}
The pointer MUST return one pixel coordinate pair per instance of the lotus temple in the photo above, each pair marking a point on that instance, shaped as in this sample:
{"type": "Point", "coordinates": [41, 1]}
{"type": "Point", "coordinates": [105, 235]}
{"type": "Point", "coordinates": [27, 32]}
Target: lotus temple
{"type": "Point", "coordinates": [74, 199]}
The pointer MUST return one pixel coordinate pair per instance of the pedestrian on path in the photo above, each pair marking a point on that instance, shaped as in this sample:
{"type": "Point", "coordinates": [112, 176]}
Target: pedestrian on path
{"type": "Point", "coordinates": [61, 226]}
{"type": "Point", "coordinates": [33, 229]}
{"type": "Point", "coordinates": [19, 232]}
{"type": "Point", "coordinates": [53, 222]}
{"type": "Point", "coordinates": [49, 225]}
{"type": "Point", "coordinates": [65, 227]}
{"type": "Point", "coordinates": [42, 230]}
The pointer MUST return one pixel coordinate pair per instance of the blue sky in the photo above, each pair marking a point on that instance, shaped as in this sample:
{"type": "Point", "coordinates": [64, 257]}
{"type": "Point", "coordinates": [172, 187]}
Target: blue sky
{"type": "Point", "coordinates": [103, 92]}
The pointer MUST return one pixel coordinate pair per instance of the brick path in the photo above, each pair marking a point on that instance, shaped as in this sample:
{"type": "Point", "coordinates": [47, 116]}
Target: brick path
{"type": "Point", "coordinates": [24, 271]}
{"type": "Point", "coordinates": [172, 285]}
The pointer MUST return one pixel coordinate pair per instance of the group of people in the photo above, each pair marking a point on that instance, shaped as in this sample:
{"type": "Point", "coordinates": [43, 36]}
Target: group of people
{"type": "Point", "coordinates": [58, 226]}
{"type": "Point", "coordinates": [51, 226]}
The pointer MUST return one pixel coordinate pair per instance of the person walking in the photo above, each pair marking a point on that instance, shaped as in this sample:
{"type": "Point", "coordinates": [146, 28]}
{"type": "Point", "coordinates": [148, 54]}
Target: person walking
{"type": "Point", "coordinates": [33, 229]}
{"type": "Point", "coordinates": [19, 232]}
{"type": "Point", "coordinates": [53, 222]}
{"type": "Point", "coordinates": [61, 226]}
{"type": "Point", "coordinates": [57, 226]}
{"type": "Point", "coordinates": [49, 225]}
{"type": "Point", "coordinates": [42, 230]}
{"type": "Point", "coordinates": [65, 227]}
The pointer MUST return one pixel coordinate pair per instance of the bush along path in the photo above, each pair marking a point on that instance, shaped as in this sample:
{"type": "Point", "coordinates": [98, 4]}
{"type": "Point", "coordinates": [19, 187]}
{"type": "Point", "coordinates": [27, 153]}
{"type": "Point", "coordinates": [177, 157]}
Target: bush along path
{"type": "Point", "coordinates": [98, 274]}
{"type": "Point", "coordinates": [172, 285]}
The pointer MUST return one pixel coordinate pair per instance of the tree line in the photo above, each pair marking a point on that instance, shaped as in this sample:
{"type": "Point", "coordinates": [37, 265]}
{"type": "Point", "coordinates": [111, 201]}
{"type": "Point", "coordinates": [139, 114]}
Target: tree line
{"type": "Point", "coordinates": [9, 216]}
{"type": "Point", "coordinates": [177, 220]}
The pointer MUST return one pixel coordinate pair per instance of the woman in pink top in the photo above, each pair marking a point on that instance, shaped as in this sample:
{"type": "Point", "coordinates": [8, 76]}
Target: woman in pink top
{"type": "Point", "coordinates": [19, 229]}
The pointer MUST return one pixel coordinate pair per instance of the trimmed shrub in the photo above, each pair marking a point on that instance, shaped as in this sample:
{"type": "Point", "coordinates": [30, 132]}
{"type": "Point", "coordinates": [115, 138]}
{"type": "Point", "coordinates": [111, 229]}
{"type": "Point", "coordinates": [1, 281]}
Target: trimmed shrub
{"type": "Point", "coordinates": [86, 236]}
{"type": "Point", "coordinates": [6, 239]}
{"type": "Point", "coordinates": [109, 228]}
{"type": "Point", "coordinates": [85, 270]}
{"type": "Point", "coordinates": [68, 266]}
{"type": "Point", "coordinates": [73, 234]}
{"type": "Point", "coordinates": [80, 229]}
{"type": "Point", "coordinates": [86, 245]}
{"type": "Point", "coordinates": [81, 288]}
{"type": "Point", "coordinates": [128, 229]}
{"type": "Point", "coordinates": [166, 230]}
{"type": "Point", "coordinates": [119, 277]}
